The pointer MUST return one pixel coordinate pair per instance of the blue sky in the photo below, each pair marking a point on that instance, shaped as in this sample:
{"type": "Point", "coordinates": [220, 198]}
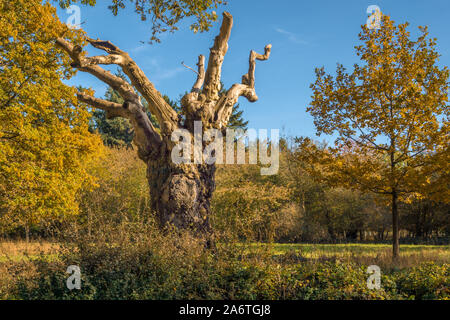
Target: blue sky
{"type": "Point", "coordinates": [304, 35]}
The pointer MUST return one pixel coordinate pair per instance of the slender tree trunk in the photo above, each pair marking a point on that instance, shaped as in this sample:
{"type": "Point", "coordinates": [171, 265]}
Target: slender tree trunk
{"type": "Point", "coordinates": [27, 232]}
{"type": "Point", "coordinates": [330, 228]}
{"type": "Point", "coordinates": [395, 228]}
{"type": "Point", "coordinates": [302, 203]}
{"type": "Point", "coordinates": [89, 221]}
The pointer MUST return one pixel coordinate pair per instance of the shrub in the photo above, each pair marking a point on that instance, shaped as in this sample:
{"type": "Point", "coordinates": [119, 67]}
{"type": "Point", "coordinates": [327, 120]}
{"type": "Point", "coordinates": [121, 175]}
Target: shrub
{"type": "Point", "coordinates": [427, 281]}
{"type": "Point", "coordinates": [140, 262]}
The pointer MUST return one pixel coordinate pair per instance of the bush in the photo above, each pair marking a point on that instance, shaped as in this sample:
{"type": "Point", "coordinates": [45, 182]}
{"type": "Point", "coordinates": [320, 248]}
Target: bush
{"type": "Point", "coordinates": [143, 263]}
{"type": "Point", "coordinates": [139, 263]}
{"type": "Point", "coordinates": [427, 281]}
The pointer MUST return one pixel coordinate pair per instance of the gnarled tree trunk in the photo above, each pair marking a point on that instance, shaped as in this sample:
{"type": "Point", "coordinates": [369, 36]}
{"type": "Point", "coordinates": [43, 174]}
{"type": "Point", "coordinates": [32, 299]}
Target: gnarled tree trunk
{"type": "Point", "coordinates": [180, 193]}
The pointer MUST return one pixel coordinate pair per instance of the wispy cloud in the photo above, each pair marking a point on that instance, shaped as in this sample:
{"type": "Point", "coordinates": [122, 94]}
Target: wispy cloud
{"type": "Point", "coordinates": [159, 73]}
{"type": "Point", "coordinates": [140, 48]}
{"type": "Point", "coordinates": [168, 74]}
{"type": "Point", "coordinates": [291, 36]}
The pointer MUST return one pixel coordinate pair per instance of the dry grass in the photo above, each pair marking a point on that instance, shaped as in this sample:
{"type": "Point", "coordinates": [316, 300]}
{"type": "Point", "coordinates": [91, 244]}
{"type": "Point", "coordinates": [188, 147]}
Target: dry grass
{"type": "Point", "coordinates": [366, 254]}
{"type": "Point", "coordinates": [406, 259]}
{"type": "Point", "coordinates": [10, 271]}
{"type": "Point", "coordinates": [379, 254]}
{"type": "Point", "coordinates": [15, 262]}
{"type": "Point", "coordinates": [22, 250]}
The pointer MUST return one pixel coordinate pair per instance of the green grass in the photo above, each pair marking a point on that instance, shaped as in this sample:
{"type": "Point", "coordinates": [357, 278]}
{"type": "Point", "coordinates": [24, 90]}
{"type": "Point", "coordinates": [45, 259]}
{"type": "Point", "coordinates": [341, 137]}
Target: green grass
{"type": "Point", "coordinates": [365, 254]}
{"type": "Point", "coordinates": [379, 254]}
{"type": "Point", "coordinates": [353, 248]}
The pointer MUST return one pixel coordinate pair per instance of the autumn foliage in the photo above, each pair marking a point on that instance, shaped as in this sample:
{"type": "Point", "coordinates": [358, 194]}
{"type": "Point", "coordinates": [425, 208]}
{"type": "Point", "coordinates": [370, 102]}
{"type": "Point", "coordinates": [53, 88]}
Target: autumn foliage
{"type": "Point", "coordinates": [390, 115]}
{"type": "Point", "coordinates": [45, 146]}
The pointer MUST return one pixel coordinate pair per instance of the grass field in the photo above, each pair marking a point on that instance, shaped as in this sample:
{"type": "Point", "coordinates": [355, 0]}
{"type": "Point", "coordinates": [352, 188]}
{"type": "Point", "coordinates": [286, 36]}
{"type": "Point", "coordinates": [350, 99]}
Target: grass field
{"type": "Point", "coordinates": [21, 250]}
{"type": "Point", "coordinates": [366, 254]}
{"type": "Point", "coordinates": [363, 254]}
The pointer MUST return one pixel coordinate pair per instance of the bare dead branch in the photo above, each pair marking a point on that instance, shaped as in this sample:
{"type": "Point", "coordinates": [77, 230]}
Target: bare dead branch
{"type": "Point", "coordinates": [145, 135]}
{"type": "Point", "coordinates": [217, 53]}
{"type": "Point", "coordinates": [191, 101]}
{"type": "Point", "coordinates": [166, 116]}
{"type": "Point", "coordinates": [201, 74]}
{"type": "Point", "coordinates": [224, 106]}
{"type": "Point", "coordinates": [182, 63]}
{"type": "Point", "coordinates": [109, 59]}
{"type": "Point", "coordinates": [105, 46]}
{"type": "Point", "coordinates": [249, 78]}
{"type": "Point", "coordinates": [113, 110]}
{"type": "Point", "coordinates": [121, 86]}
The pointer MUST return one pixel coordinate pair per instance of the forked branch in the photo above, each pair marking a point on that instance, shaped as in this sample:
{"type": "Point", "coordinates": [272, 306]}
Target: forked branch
{"type": "Point", "coordinates": [246, 88]}
{"type": "Point", "coordinates": [146, 137]}
{"type": "Point", "coordinates": [191, 101]}
{"type": "Point", "coordinates": [112, 110]}
{"type": "Point", "coordinates": [200, 74]}
{"type": "Point", "coordinates": [84, 64]}
{"type": "Point", "coordinates": [166, 116]}
{"type": "Point", "coordinates": [249, 78]}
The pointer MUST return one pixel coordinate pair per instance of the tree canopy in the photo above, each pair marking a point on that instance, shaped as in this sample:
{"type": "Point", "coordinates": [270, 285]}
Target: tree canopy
{"type": "Point", "coordinates": [164, 15]}
{"type": "Point", "coordinates": [390, 115]}
{"type": "Point", "coordinates": [45, 145]}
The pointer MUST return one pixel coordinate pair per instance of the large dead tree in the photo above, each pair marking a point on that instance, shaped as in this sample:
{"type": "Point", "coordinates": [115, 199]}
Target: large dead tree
{"type": "Point", "coordinates": [180, 193]}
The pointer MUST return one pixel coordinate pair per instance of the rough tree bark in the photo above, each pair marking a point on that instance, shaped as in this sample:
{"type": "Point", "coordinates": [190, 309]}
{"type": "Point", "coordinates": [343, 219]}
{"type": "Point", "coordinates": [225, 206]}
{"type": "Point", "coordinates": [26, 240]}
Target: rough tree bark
{"type": "Point", "coordinates": [180, 193]}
